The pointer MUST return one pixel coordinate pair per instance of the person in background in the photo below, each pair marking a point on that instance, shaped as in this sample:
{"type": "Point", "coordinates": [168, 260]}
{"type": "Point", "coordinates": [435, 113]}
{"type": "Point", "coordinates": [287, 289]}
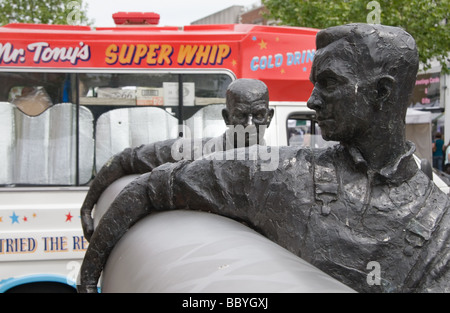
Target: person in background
{"type": "Point", "coordinates": [438, 153]}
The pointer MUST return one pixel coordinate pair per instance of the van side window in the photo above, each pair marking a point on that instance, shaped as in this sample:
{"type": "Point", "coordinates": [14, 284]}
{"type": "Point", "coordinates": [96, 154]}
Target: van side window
{"type": "Point", "coordinates": [59, 128]}
{"type": "Point", "coordinates": [47, 139]}
{"type": "Point", "coordinates": [119, 129]}
{"type": "Point", "coordinates": [41, 150]}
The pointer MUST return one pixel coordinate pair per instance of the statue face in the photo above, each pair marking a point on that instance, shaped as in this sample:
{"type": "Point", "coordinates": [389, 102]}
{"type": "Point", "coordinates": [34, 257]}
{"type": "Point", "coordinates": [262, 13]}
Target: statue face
{"type": "Point", "coordinates": [342, 112]}
{"type": "Point", "coordinates": [252, 113]}
{"type": "Point", "coordinates": [249, 113]}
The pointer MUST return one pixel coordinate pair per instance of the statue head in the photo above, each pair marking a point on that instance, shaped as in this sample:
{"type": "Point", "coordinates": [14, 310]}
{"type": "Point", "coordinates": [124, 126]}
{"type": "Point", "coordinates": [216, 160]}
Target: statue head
{"type": "Point", "coordinates": [363, 76]}
{"type": "Point", "coordinates": [247, 105]}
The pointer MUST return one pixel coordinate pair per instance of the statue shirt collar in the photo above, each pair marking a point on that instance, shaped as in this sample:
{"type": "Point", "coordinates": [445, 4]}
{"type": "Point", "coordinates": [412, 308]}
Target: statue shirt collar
{"type": "Point", "coordinates": [396, 172]}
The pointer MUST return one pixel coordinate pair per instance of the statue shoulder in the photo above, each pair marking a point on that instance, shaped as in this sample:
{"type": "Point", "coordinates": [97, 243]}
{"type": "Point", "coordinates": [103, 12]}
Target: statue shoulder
{"type": "Point", "coordinates": [306, 155]}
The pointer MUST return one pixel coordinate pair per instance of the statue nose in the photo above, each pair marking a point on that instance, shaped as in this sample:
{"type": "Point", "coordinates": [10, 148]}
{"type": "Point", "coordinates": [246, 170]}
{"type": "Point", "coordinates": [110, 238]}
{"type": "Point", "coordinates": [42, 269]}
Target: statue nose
{"type": "Point", "coordinates": [314, 102]}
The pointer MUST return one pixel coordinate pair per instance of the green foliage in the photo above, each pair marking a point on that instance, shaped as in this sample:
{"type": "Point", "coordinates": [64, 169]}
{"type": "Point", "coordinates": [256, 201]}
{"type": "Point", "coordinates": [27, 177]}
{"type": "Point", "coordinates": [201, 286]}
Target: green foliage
{"type": "Point", "coordinates": [426, 20]}
{"type": "Point", "coordinates": [43, 12]}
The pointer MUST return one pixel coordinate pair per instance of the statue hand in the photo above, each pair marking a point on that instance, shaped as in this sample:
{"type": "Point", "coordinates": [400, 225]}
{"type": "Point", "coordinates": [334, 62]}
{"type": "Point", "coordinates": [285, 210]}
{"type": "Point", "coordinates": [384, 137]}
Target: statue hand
{"type": "Point", "coordinates": [87, 222]}
{"type": "Point", "coordinates": [87, 289]}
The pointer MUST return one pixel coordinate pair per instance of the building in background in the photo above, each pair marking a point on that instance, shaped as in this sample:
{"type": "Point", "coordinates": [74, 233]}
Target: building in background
{"type": "Point", "coordinates": [238, 14]}
{"type": "Point", "coordinates": [256, 15]}
{"type": "Point", "coordinates": [229, 15]}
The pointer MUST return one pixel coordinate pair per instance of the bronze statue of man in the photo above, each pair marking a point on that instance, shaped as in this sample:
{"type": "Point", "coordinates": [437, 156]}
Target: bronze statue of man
{"type": "Point", "coordinates": [344, 208]}
{"type": "Point", "coordinates": [247, 116]}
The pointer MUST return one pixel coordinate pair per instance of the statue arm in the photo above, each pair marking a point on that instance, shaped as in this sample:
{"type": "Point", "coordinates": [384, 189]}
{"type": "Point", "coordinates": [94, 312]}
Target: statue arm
{"type": "Point", "coordinates": [199, 185]}
{"type": "Point", "coordinates": [137, 160]}
{"type": "Point", "coordinates": [112, 226]}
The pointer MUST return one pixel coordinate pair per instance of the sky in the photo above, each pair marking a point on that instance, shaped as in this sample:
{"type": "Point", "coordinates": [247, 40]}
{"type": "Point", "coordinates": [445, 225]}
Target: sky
{"type": "Point", "coordinates": [172, 12]}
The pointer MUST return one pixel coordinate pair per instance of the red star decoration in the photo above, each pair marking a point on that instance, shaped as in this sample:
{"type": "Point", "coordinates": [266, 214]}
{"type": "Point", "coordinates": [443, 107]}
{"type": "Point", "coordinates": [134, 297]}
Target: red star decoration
{"type": "Point", "coordinates": [25, 219]}
{"type": "Point", "coordinates": [69, 217]}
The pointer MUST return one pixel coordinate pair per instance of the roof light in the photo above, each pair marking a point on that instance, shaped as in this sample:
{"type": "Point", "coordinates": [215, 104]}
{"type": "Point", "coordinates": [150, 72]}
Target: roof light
{"type": "Point", "coordinates": [136, 18]}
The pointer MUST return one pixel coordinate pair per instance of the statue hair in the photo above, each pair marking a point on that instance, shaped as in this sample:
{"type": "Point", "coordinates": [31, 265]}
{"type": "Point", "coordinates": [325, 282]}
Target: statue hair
{"type": "Point", "coordinates": [378, 50]}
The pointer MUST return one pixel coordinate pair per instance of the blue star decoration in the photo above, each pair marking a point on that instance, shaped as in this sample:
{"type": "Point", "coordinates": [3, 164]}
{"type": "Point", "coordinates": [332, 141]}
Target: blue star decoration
{"type": "Point", "coordinates": [14, 218]}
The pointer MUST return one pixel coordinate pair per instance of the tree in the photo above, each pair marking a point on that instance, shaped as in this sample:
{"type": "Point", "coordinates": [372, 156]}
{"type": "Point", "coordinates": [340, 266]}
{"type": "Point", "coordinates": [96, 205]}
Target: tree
{"type": "Point", "coordinates": [426, 20]}
{"type": "Point", "coordinates": [43, 11]}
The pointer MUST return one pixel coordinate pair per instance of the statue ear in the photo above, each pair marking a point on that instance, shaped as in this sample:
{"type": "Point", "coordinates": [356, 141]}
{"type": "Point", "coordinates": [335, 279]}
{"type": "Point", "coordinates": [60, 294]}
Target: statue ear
{"type": "Point", "coordinates": [269, 116]}
{"type": "Point", "coordinates": [226, 116]}
{"type": "Point", "coordinates": [385, 87]}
